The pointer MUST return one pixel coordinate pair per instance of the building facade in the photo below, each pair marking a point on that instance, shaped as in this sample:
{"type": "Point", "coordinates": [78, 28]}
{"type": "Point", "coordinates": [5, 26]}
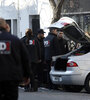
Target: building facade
{"type": "Point", "coordinates": [23, 14]}
{"type": "Point", "coordinates": [79, 10]}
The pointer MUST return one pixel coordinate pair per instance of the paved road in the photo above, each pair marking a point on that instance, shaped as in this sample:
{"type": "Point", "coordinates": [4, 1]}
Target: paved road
{"type": "Point", "coordinates": [45, 94]}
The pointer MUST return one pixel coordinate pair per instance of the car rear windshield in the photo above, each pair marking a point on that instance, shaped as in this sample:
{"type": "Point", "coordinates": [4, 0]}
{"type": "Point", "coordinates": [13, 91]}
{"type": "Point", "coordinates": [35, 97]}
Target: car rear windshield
{"type": "Point", "coordinates": [80, 51]}
{"type": "Point", "coordinates": [83, 50]}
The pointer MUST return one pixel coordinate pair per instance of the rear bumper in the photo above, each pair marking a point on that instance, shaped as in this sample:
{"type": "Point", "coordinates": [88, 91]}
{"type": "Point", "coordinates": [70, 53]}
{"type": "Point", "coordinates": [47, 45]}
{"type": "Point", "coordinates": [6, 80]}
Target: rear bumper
{"type": "Point", "coordinates": [67, 77]}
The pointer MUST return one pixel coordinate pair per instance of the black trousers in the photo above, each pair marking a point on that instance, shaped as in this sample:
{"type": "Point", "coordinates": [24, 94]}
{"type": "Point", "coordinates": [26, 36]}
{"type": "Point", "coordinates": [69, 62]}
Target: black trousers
{"type": "Point", "coordinates": [40, 73]}
{"type": "Point", "coordinates": [48, 63]}
{"type": "Point", "coordinates": [9, 90]}
{"type": "Point", "coordinates": [33, 78]}
{"type": "Point", "coordinates": [48, 67]}
{"type": "Point", "coordinates": [34, 71]}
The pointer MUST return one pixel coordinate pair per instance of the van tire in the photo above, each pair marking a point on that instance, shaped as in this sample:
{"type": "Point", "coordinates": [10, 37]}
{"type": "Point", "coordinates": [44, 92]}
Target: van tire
{"type": "Point", "coordinates": [87, 84]}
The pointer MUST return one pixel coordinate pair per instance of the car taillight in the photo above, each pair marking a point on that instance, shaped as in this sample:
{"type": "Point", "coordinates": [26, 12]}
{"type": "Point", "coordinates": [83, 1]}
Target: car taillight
{"type": "Point", "coordinates": [72, 64]}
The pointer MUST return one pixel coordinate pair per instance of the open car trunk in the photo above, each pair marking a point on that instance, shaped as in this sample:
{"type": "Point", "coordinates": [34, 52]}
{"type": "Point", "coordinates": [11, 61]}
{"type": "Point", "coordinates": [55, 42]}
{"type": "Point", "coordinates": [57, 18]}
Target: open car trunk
{"type": "Point", "coordinates": [60, 62]}
{"type": "Point", "coordinates": [75, 33]}
{"type": "Point", "coordinates": [71, 30]}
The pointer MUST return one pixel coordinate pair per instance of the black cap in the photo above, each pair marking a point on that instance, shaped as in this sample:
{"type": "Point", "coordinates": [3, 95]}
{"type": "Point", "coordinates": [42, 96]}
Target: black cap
{"type": "Point", "coordinates": [40, 31]}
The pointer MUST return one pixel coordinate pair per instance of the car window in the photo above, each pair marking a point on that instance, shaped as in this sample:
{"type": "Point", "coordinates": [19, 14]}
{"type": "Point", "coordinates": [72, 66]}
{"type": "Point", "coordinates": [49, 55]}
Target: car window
{"type": "Point", "coordinates": [79, 51]}
{"type": "Point", "coordinates": [75, 34]}
{"type": "Point", "coordinates": [83, 50]}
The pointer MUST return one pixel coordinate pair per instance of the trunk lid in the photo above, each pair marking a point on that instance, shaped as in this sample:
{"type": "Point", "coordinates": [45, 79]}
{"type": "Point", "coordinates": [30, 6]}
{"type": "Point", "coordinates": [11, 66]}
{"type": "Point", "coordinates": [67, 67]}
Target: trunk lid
{"type": "Point", "coordinates": [71, 30]}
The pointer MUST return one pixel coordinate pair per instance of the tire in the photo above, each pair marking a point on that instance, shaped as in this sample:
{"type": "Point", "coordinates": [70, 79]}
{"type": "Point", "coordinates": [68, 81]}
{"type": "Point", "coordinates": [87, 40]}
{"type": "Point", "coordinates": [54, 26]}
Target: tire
{"type": "Point", "coordinates": [87, 84]}
{"type": "Point", "coordinates": [72, 88]}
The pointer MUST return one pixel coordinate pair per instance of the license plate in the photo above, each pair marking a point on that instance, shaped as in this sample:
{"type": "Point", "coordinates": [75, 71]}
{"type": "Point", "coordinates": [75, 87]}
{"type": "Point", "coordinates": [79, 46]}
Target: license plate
{"type": "Point", "coordinates": [59, 79]}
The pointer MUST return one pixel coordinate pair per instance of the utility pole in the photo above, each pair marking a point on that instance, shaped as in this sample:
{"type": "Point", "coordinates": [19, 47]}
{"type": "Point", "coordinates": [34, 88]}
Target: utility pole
{"type": "Point", "coordinates": [18, 20]}
{"type": "Point", "coordinates": [2, 3]}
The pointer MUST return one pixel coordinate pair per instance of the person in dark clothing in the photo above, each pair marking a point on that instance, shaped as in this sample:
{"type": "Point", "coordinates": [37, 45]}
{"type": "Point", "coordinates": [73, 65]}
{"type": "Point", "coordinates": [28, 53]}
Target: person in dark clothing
{"type": "Point", "coordinates": [33, 47]}
{"type": "Point", "coordinates": [51, 44]}
{"type": "Point", "coordinates": [40, 37]}
{"type": "Point", "coordinates": [52, 48]}
{"type": "Point", "coordinates": [14, 63]}
{"type": "Point", "coordinates": [62, 43]}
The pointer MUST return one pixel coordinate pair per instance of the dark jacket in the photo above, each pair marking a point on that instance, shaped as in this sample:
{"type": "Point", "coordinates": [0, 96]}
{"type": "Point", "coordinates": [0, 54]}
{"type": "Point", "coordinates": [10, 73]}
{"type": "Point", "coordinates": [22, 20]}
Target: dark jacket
{"type": "Point", "coordinates": [63, 46]}
{"type": "Point", "coordinates": [51, 45]}
{"type": "Point", "coordinates": [14, 62]}
{"type": "Point", "coordinates": [33, 48]}
{"type": "Point", "coordinates": [42, 49]}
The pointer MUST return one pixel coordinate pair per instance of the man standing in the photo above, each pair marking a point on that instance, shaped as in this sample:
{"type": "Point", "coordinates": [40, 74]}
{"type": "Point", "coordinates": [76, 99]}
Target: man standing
{"type": "Point", "coordinates": [33, 47]}
{"type": "Point", "coordinates": [14, 63]}
{"type": "Point", "coordinates": [51, 45]}
{"type": "Point", "coordinates": [62, 43]}
{"type": "Point", "coordinates": [40, 37]}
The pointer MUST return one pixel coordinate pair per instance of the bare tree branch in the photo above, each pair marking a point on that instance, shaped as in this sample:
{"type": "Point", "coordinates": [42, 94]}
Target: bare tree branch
{"type": "Point", "coordinates": [53, 4]}
{"type": "Point", "coordinates": [58, 2]}
{"type": "Point", "coordinates": [56, 9]}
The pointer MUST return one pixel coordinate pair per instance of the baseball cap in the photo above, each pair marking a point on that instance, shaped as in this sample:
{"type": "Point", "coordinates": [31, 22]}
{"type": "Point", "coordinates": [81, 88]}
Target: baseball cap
{"type": "Point", "coordinates": [40, 31]}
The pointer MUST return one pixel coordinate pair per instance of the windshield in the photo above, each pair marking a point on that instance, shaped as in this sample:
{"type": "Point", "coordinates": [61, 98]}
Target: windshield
{"type": "Point", "coordinates": [75, 34]}
{"type": "Point", "coordinates": [80, 51]}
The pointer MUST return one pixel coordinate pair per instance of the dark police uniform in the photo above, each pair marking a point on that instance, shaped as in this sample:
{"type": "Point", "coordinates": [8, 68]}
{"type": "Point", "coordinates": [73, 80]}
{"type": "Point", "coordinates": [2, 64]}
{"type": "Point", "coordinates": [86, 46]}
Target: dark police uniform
{"type": "Point", "coordinates": [51, 45]}
{"type": "Point", "coordinates": [52, 48]}
{"type": "Point", "coordinates": [34, 53]}
{"type": "Point", "coordinates": [41, 65]}
{"type": "Point", "coordinates": [14, 65]}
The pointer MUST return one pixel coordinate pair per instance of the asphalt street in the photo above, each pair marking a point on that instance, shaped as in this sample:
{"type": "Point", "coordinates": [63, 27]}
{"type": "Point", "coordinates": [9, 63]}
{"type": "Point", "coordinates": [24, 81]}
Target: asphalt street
{"type": "Point", "coordinates": [45, 94]}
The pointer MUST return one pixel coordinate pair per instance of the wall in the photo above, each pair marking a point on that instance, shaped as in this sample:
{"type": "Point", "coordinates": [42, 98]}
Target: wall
{"type": "Point", "coordinates": [12, 9]}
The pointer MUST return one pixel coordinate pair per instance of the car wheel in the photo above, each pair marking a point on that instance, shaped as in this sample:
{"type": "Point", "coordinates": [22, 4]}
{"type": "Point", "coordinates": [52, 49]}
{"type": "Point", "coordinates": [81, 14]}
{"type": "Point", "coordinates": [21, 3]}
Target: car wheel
{"type": "Point", "coordinates": [72, 88]}
{"type": "Point", "coordinates": [87, 84]}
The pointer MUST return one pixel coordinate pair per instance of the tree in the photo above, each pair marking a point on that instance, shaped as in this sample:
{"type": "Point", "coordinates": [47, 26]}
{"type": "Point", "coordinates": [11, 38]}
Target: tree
{"type": "Point", "coordinates": [56, 7]}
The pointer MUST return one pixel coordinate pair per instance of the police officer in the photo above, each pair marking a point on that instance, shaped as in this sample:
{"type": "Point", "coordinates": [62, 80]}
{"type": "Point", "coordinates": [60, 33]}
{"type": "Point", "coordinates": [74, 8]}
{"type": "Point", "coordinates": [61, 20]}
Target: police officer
{"type": "Point", "coordinates": [52, 48]}
{"type": "Point", "coordinates": [40, 37]}
{"type": "Point", "coordinates": [14, 63]}
{"type": "Point", "coordinates": [33, 47]}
